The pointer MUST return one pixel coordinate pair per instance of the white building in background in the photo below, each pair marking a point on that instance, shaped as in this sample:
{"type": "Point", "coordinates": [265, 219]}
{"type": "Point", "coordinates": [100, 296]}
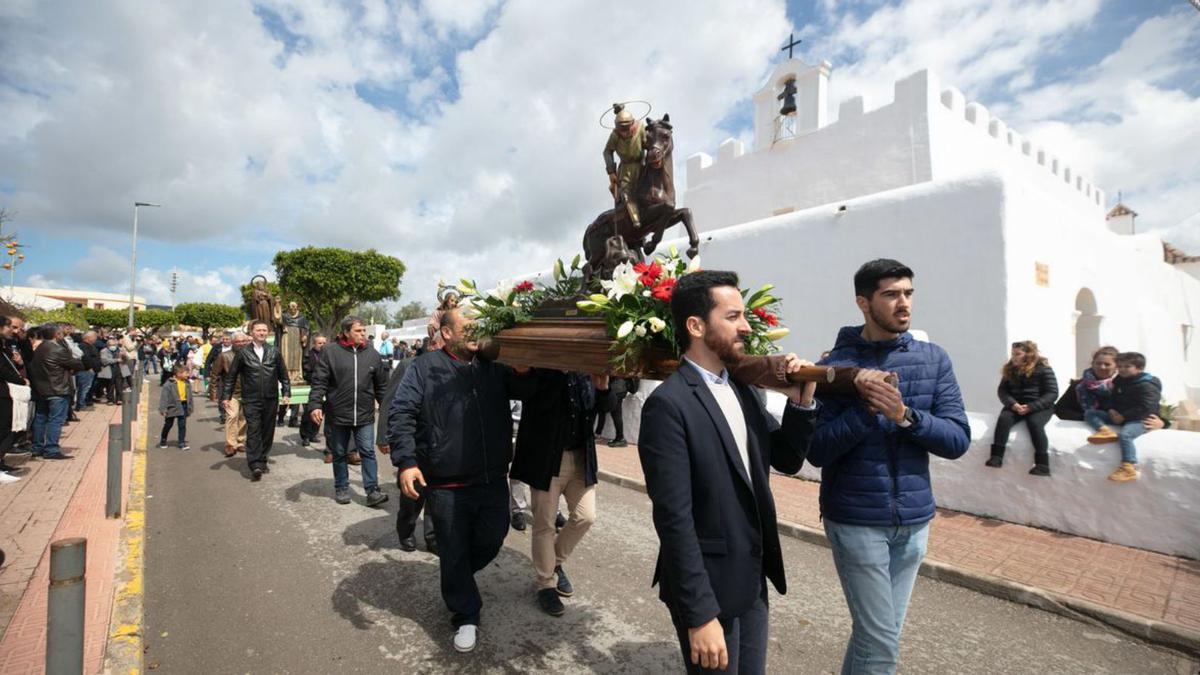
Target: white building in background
{"type": "Point", "coordinates": [35, 297]}
{"type": "Point", "coordinates": [1008, 241]}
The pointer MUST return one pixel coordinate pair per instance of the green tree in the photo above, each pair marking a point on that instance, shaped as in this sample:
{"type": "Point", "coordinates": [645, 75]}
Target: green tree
{"type": "Point", "coordinates": [71, 315]}
{"type": "Point", "coordinates": [205, 315]}
{"type": "Point", "coordinates": [413, 310]}
{"type": "Point", "coordinates": [329, 282]}
{"type": "Point", "coordinates": [151, 320]}
{"type": "Point", "coordinates": [372, 313]}
{"type": "Point", "coordinates": [106, 318]}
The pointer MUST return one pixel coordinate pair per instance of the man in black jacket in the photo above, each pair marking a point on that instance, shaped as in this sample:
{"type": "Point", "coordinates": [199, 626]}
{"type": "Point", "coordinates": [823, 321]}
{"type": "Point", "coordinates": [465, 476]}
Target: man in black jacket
{"type": "Point", "coordinates": [556, 456]}
{"type": "Point", "coordinates": [707, 445]}
{"type": "Point", "coordinates": [85, 378]}
{"type": "Point", "coordinates": [263, 380]}
{"type": "Point", "coordinates": [308, 366]}
{"type": "Point", "coordinates": [450, 434]}
{"type": "Point", "coordinates": [50, 376]}
{"type": "Point", "coordinates": [347, 383]}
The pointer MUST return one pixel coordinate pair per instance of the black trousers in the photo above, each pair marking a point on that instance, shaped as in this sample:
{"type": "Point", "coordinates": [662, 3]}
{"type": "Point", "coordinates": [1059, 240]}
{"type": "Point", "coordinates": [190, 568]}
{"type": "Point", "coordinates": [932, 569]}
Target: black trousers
{"type": "Point", "coordinates": [260, 430]}
{"type": "Point", "coordinates": [7, 436]}
{"type": "Point", "coordinates": [1037, 433]}
{"type": "Point", "coordinates": [406, 518]}
{"type": "Point", "coordinates": [618, 421]}
{"type": "Point", "coordinates": [745, 639]}
{"type": "Point", "coordinates": [471, 522]}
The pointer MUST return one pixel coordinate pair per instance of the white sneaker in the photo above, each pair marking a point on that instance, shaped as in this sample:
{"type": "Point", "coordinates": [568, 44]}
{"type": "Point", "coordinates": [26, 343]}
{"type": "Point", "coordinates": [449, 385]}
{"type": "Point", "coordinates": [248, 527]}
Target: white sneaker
{"type": "Point", "coordinates": [8, 478]}
{"type": "Point", "coordinates": [464, 639]}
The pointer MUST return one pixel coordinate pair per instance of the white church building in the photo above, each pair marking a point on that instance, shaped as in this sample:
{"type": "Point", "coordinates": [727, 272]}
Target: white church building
{"type": "Point", "coordinates": [1008, 242]}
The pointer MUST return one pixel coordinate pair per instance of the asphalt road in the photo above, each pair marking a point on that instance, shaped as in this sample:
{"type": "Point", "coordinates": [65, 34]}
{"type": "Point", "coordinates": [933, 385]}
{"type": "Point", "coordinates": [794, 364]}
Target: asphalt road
{"type": "Point", "coordinates": [275, 577]}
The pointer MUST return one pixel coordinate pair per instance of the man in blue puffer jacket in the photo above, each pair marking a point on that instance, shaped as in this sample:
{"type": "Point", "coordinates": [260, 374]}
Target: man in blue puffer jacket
{"type": "Point", "coordinates": [873, 450]}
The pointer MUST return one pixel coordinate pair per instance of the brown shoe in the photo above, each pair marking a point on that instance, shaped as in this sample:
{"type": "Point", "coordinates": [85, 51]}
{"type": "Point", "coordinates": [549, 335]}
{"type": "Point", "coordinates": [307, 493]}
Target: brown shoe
{"type": "Point", "coordinates": [1125, 472]}
{"type": "Point", "coordinates": [1103, 435]}
{"type": "Point", "coordinates": [354, 458]}
{"type": "Point", "coordinates": [328, 457]}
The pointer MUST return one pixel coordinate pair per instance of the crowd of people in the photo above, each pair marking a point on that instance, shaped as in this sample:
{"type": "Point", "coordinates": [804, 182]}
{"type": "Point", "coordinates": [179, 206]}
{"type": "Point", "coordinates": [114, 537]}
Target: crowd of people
{"type": "Point", "coordinates": [1115, 396]}
{"type": "Point", "coordinates": [443, 414]}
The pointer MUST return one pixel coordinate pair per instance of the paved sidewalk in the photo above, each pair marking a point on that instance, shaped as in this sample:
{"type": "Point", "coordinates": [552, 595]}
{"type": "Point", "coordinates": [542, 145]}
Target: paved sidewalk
{"type": "Point", "coordinates": [1141, 591]}
{"type": "Point", "coordinates": [55, 500]}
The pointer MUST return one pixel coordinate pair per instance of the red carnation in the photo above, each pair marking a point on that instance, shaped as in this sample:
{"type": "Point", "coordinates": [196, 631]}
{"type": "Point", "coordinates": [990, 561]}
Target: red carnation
{"type": "Point", "coordinates": [649, 274]}
{"type": "Point", "coordinates": [767, 317]}
{"type": "Point", "coordinates": [664, 289]}
{"type": "Point", "coordinates": [524, 287]}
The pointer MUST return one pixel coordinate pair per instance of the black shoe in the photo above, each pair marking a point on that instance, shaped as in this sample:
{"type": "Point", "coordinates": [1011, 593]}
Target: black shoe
{"type": "Point", "coordinates": [185, 446]}
{"type": "Point", "coordinates": [256, 475]}
{"type": "Point", "coordinates": [564, 587]}
{"type": "Point", "coordinates": [376, 497]}
{"type": "Point", "coordinates": [518, 521]}
{"type": "Point", "coordinates": [279, 423]}
{"type": "Point", "coordinates": [58, 455]}
{"type": "Point", "coordinates": [341, 495]}
{"type": "Point", "coordinates": [266, 469]}
{"type": "Point", "coordinates": [304, 443]}
{"type": "Point", "coordinates": [162, 445]}
{"type": "Point", "coordinates": [431, 546]}
{"type": "Point", "coordinates": [408, 544]}
{"type": "Point", "coordinates": [550, 603]}
{"type": "Point", "coordinates": [995, 461]}
{"type": "Point", "coordinates": [618, 443]}
{"type": "Point", "coordinates": [1039, 470]}
{"type": "Point", "coordinates": [560, 521]}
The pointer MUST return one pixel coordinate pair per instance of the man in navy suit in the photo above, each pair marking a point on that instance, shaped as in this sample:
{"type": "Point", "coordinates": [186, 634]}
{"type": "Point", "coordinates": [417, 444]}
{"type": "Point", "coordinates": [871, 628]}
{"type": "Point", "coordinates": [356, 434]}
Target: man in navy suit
{"type": "Point", "coordinates": [706, 447]}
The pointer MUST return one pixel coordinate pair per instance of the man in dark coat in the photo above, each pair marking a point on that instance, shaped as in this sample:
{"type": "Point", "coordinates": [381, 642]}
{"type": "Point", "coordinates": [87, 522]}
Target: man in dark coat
{"type": "Point", "coordinates": [259, 369]}
{"type": "Point", "coordinates": [51, 376]}
{"type": "Point", "coordinates": [310, 429]}
{"type": "Point", "coordinates": [706, 446]}
{"type": "Point", "coordinates": [556, 456]}
{"type": "Point", "coordinates": [410, 509]}
{"type": "Point", "coordinates": [450, 434]}
{"type": "Point", "coordinates": [873, 450]}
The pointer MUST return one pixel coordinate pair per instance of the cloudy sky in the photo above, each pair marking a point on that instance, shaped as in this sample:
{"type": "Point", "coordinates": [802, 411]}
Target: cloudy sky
{"type": "Point", "coordinates": [461, 135]}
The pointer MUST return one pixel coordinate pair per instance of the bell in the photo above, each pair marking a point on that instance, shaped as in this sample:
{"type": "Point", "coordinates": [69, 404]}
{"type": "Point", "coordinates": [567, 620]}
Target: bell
{"type": "Point", "coordinates": [788, 96]}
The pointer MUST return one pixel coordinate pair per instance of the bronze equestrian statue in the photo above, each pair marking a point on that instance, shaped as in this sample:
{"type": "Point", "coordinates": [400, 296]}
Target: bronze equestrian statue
{"type": "Point", "coordinates": [615, 236]}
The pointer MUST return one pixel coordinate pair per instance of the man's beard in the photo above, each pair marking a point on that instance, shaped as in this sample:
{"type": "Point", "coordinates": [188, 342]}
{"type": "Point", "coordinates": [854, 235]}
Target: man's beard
{"type": "Point", "coordinates": [889, 322]}
{"type": "Point", "coordinates": [729, 351]}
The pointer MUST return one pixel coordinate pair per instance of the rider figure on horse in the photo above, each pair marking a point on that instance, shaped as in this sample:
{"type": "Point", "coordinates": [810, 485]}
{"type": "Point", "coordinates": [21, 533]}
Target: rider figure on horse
{"type": "Point", "coordinates": [626, 140]}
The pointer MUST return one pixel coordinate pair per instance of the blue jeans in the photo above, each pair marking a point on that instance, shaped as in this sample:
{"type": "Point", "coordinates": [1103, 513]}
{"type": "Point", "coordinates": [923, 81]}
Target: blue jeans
{"type": "Point", "coordinates": [364, 441]}
{"type": "Point", "coordinates": [877, 567]}
{"type": "Point", "coordinates": [48, 418]}
{"type": "Point", "coordinates": [83, 387]}
{"type": "Point", "coordinates": [149, 363]}
{"type": "Point", "coordinates": [1125, 432]}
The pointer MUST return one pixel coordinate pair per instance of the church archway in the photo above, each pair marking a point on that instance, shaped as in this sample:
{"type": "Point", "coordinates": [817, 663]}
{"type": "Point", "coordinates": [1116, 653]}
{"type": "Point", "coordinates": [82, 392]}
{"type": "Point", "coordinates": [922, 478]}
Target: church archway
{"type": "Point", "coordinates": [1087, 328]}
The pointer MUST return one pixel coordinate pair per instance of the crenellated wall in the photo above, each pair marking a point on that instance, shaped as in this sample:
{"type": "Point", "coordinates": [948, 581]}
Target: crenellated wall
{"type": "Point", "coordinates": [925, 133]}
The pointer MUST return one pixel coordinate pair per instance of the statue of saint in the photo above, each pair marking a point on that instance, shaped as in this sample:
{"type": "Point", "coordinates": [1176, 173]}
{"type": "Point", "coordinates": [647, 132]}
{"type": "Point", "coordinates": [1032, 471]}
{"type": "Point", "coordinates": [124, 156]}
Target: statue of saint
{"type": "Point", "coordinates": [262, 306]}
{"type": "Point", "coordinates": [625, 140]}
{"type": "Point", "coordinates": [293, 340]}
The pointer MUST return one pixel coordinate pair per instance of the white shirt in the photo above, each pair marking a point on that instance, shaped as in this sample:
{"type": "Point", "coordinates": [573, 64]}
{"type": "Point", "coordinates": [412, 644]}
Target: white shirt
{"type": "Point", "coordinates": [731, 408]}
{"type": "Point", "coordinates": [259, 350]}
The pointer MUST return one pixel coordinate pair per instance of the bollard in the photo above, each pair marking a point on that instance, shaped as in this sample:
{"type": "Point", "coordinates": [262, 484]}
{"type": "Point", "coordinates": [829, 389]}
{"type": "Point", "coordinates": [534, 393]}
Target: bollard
{"type": "Point", "coordinates": [65, 606]}
{"type": "Point", "coordinates": [137, 396]}
{"type": "Point", "coordinates": [112, 502]}
{"type": "Point", "coordinates": [127, 420]}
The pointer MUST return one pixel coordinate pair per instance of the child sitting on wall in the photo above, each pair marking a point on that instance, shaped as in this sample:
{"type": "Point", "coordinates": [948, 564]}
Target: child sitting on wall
{"type": "Point", "coordinates": [1133, 401]}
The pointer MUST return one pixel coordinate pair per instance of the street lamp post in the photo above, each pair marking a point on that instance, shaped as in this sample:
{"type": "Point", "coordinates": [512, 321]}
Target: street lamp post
{"type": "Point", "coordinates": [133, 258]}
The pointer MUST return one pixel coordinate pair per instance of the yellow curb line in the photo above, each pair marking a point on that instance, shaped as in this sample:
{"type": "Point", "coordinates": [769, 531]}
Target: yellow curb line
{"type": "Point", "coordinates": [124, 651]}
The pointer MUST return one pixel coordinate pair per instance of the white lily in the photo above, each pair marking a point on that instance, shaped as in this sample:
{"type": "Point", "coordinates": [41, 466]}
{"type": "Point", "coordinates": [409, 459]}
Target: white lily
{"type": "Point", "coordinates": [503, 290]}
{"type": "Point", "coordinates": [640, 330]}
{"type": "Point", "coordinates": [693, 265]}
{"type": "Point", "coordinates": [777, 334]}
{"type": "Point", "coordinates": [625, 329]}
{"type": "Point", "coordinates": [624, 281]}
{"type": "Point", "coordinates": [656, 324]}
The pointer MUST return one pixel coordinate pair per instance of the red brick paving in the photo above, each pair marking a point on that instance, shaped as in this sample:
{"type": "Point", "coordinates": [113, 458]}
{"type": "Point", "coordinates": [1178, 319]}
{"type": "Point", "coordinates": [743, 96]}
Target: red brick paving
{"type": "Point", "coordinates": [1143, 583]}
{"type": "Point", "coordinates": [55, 500]}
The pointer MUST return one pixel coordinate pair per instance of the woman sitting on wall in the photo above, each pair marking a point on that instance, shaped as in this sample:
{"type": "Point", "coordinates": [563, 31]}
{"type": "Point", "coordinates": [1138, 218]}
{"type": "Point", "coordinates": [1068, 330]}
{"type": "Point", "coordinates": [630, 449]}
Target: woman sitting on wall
{"type": "Point", "coordinates": [1028, 391]}
{"type": "Point", "coordinates": [1093, 389]}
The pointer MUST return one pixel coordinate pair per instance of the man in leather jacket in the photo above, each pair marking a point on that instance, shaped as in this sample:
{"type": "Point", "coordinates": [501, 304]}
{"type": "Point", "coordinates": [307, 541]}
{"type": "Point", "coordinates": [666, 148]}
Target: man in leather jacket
{"type": "Point", "coordinates": [263, 379]}
{"type": "Point", "coordinates": [51, 376]}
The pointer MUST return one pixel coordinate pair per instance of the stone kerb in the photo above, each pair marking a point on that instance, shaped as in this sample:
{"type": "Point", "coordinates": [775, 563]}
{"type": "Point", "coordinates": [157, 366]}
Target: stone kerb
{"type": "Point", "coordinates": [1160, 511]}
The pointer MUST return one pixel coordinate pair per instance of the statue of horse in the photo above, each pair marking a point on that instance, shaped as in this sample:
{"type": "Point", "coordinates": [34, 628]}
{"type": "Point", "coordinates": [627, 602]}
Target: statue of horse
{"type": "Point", "coordinates": [655, 195]}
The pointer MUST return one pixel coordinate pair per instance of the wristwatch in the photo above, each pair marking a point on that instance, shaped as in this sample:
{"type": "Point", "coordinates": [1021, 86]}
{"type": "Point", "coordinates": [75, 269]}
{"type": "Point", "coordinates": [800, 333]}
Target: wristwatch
{"type": "Point", "coordinates": [910, 418]}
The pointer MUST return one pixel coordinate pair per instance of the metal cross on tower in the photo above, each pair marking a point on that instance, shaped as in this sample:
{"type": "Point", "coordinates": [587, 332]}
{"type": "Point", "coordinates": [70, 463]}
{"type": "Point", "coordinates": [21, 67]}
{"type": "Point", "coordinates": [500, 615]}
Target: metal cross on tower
{"type": "Point", "coordinates": [792, 42]}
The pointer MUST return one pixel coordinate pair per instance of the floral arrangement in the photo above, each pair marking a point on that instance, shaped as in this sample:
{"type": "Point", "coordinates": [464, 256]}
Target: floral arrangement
{"type": "Point", "coordinates": [511, 303]}
{"type": "Point", "coordinates": [636, 306]}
